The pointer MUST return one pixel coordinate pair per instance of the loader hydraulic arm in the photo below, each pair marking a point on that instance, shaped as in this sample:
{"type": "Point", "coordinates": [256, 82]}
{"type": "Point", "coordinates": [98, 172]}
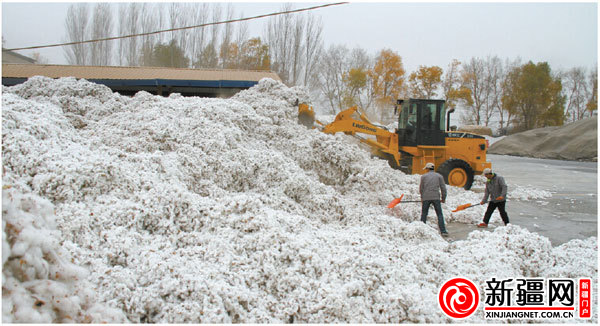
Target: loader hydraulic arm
{"type": "Point", "coordinates": [344, 122]}
{"type": "Point", "coordinates": [385, 141]}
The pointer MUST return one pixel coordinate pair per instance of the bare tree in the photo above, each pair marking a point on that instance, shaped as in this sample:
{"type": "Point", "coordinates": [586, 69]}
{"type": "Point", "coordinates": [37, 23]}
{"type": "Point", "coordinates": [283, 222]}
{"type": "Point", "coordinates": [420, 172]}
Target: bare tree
{"type": "Point", "coordinates": [227, 58]}
{"type": "Point", "coordinates": [473, 78]}
{"type": "Point", "coordinates": [129, 23]}
{"type": "Point", "coordinates": [122, 18]}
{"type": "Point", "coordinates": [101, 28]}
{"type": "Point", "coordinates": [133, 19]}
{"type": "Point", "coordinates": [199, 15]}
{"type": "Point", "coordinates": [173, 14]}
{"type": "Point", "coordinates": [494, 72]}
{"type": "Point", "coordinates": [242, 33]}
{"type": "Point", "coordinates": [331, 70]}
{"type": "Point", "coordinates": [208, 56]}
{"type": "Point", "coordinates": [294, 44]}
{"type": "Point", "coordinates": [484, 79]}
{"type": "Point", "coordinates": [150, 20]}
{"type": "Point", "coordinates": [278, 36]}
{"type": "Point", "coordinates": [76, 25]}
{"type": "Point", "coordinates": [215, 29]}
{"type": "Point", "coordinates": [313, 47]}
{"type": "Point", "coordinates": [575, 88]}
{"type": "Point", "coordinates": [178, 18]}
{"type": "Point", "coordinates": [297, 43]}
{"type": "Point", "coordinates": [39, 59]}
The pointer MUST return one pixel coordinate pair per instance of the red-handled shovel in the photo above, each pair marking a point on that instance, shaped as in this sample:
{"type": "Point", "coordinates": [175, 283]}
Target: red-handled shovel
{"type": "Point", "coordinates": [465, 206]}
{"type": "Point", "coordinates": [397, 201]}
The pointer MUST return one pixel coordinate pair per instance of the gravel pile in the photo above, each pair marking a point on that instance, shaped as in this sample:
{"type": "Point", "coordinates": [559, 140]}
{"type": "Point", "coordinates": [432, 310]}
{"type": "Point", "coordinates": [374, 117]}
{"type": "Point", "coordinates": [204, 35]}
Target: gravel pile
{"type": "Point", "coordinates": [577, 141]}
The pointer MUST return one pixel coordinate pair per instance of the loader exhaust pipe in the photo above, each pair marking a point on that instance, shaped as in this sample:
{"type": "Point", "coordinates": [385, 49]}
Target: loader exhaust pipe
{"type": "Point", "coordinates": [448, 119]}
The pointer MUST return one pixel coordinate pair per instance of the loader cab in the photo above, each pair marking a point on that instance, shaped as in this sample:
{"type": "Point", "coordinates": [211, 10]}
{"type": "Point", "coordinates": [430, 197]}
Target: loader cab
{"type": "Point", "coordinates": [421, 122]}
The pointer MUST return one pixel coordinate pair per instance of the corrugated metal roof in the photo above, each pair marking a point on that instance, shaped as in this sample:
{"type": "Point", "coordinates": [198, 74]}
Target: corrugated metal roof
{"type": "Point", "coordinates": [131, 73]}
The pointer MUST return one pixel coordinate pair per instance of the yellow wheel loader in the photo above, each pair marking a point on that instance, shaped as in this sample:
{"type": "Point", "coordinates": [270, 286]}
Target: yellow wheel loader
{"type": "Point", "coordinates": [422, 136]}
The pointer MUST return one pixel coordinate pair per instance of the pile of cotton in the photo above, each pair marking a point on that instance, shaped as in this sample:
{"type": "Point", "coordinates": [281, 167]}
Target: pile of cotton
{"type": "Point", "coordinates": [40, 284]}
{"type": "Point", "coordinates": [184, 209]}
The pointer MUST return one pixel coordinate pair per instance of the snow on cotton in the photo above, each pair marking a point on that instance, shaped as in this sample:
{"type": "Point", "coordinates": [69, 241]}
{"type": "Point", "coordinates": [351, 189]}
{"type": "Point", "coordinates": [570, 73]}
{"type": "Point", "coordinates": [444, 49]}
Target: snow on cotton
{"type": "Point", "coordinates": [179, 209]}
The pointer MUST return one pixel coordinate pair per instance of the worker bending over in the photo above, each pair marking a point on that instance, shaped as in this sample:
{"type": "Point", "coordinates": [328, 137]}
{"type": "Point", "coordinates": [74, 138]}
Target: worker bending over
{"type": "Point", "coordinates": [495, 189]}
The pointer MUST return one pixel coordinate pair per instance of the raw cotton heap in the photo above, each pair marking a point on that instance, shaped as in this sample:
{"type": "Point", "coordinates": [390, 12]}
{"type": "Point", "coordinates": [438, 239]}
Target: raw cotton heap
{"type": "Point", "coordinates": [210, 210]}
{"type": "Point", "coordinates": [40, 284]}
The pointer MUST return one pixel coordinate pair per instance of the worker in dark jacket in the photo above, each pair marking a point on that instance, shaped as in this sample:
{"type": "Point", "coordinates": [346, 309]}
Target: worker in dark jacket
{"type": "Point", "coordinates": [429, 188]}
{"type": "Point", "coordinates": [495, 189]}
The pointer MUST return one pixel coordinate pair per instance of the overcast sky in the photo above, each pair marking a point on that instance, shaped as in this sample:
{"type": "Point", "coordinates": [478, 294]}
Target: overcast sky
{"type": "Point", "coordinates": [562, 34]}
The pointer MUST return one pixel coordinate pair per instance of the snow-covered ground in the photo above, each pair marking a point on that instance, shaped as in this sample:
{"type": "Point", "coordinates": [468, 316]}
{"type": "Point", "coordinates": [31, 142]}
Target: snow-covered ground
{"type": "Point", "coordinates": [177, 210]}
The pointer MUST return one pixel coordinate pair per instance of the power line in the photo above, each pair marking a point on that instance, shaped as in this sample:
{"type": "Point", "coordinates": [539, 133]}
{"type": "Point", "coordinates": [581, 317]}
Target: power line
{"type": "Point", "coordinates": [180, 28]}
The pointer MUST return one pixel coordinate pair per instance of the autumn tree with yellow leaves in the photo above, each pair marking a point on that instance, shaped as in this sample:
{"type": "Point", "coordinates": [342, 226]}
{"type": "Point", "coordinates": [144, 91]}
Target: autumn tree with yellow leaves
{"type": "Point", "coordinates": [592, 104]}
{"type": "Point", "coordinates": [534, 96]}
{"type": "Point", "coordinates": [254, 55]}
{"type": "Point", "coordinates": [454, 91]}
{"type": "Point", "coordinates": [425, 82]}
{"type": "Point", "coordinates": [355, 81]}
{"type": "Point", "coordinates": [388, 82]}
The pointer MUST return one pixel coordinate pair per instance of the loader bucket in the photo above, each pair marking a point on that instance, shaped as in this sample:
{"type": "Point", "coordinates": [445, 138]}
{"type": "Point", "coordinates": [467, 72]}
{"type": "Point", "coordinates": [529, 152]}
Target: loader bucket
{"type": "Point", "coordinates": [306, 115]}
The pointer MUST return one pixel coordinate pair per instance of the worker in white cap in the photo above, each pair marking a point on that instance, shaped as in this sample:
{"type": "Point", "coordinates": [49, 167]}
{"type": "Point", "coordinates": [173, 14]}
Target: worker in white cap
{"type": "Point", "coordinates": [432, 183]}
{"type": "Point", "coordinates": [495, 189]}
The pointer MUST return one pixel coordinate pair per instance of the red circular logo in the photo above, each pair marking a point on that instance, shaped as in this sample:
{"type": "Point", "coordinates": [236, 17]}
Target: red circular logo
{"type": "Point", "coordinates": [459, 298]}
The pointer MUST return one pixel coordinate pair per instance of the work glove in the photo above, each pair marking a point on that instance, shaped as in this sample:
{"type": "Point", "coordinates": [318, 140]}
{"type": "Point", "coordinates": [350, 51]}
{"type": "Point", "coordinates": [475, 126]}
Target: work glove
{"type": "Point", "coordinates": [482, 202]}
{"type": "Point", "coordinates": [500, 198]}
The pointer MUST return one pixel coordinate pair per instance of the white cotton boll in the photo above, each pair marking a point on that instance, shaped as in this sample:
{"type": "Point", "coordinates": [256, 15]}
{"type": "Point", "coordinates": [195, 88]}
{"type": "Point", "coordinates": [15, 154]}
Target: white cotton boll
{"type": "Point", "coordinates": [70, 306]}
{"type": "Point", "coordinates": [66, 271]}
{"type": "Point", "coordinates": [7, 308]}
{"type": "Point", "coordinates": [24, 314]}
{"type": "Point", "coordinates": [527, 193]}
{"type": "Point", "coordinates": [22, 306]}
{"type": "Point", "coordinates": [101, 314]}
{"type": "Point", "coordinates": [574, 259]}
{"type": "Point", "coordinates": [20, 248]}
{"type": "Point", "coordinates": [35, 258]}
{"type": "Point", "coordinates": [38, 239]}
{"type": "Point", "coordinates": [6, 250]}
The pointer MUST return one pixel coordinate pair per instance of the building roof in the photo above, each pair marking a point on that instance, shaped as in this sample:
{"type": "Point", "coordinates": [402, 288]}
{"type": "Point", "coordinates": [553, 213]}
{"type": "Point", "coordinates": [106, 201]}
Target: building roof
{"type": "Point", "coordinates": [14, 57]}
{"type": "Point", "coordinates": [132, 73]}
{"type": "Point", "coordinates": [156, 80]}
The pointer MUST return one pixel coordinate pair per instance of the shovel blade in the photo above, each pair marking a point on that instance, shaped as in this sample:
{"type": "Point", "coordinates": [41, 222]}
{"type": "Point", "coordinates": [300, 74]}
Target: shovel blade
{"type": "Point", "coordinates": [395, 201]}
{"type": "Point", "coordinates": [461, 207]}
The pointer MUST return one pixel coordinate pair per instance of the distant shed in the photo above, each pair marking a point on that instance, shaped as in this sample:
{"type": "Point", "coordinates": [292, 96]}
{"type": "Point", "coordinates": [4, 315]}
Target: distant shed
{"type": "Point", "coordinates": [14, 57]}
{"type": "Point", "coordinates": [155, 80]}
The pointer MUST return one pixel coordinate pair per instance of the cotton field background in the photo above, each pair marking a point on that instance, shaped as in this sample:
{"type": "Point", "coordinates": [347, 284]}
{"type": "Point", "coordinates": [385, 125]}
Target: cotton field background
{"type": "Point", "coordinates": [184, 209]}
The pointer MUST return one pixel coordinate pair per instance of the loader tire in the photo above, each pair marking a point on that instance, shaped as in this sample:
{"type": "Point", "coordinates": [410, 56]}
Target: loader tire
{"type": "Point", "coordinates": [457, 173]}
